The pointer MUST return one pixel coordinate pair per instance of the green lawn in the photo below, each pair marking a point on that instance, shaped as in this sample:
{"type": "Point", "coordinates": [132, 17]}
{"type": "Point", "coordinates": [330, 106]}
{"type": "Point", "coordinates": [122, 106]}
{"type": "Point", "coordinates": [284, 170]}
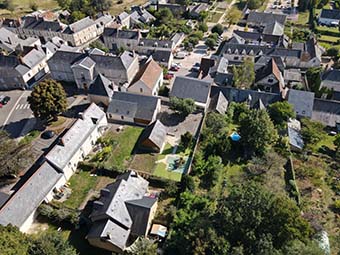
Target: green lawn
{"type": "Point", "coordinates": [303, 18]}
{"type": "Point", "coordinates": [126, 141]}
{"type": "Point", "coordinates": [23, 6]}
{"type": "Point", "coordinates": [29, 137]}
{"type": "Point", "coordinates": [161, 171]}
{"type": "Point", "coordinates": [80, 183]}
{"type": "Point", "coordinates": [214, 17]}
{"type": "Point", "coordinates": [329, 39]}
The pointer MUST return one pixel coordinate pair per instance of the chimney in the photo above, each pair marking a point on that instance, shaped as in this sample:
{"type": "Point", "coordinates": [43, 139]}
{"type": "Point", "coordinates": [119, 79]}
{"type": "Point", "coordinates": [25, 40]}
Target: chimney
{"type": "Point", "coordinates": [9, 40]}
{"type": "Point", "coordinates": [81, 115]}
{"type": "Point", "coordinates": [21, 60]}
{"type": "Point", "coordinates": [61, 142]}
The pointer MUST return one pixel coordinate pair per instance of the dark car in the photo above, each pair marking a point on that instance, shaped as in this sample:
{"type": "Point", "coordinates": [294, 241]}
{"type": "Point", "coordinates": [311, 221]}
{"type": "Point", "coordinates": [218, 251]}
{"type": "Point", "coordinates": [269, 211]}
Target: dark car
{"type": "Point", "coordinates": [5, 100]}
{"type": "Point", "coordinates": [47, 134]}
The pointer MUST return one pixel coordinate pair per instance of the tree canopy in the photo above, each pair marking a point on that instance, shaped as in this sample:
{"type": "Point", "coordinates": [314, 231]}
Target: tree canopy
{"type": "Point", "coordinates": [13, 157]}
{"type": "Point", "coordinates": [280, 112]}
{"type": "Point", "coordinates": [233, 16]}
{"type": "Point", "coordinates": [257, 132]}
{"type": "Point", "coordinates": [182, 106]}
{"type": "Point", "coordinates": [48, 99]}
{"type": "Point", "coordinates": [244, 74]}
{"type": "Point", "coordinates": [311, 131]}
{"type": "Point", "coordinates": [218, 28]}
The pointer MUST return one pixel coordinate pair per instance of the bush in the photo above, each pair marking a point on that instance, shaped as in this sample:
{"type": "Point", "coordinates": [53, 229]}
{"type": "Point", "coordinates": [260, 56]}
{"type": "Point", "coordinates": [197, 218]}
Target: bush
{"type": "Point", "coordinates": [182, 106]}
{"type": "Point", "coordinates": [217, 29]}
{"type": "Point", "coordinates": [203, 27]}
{"type": "Point", "coordinates": [164, 91]}
{"type": "Point", "coordinates": [186, 139]}
{"type": "Point", "coordinates": [59, 213]}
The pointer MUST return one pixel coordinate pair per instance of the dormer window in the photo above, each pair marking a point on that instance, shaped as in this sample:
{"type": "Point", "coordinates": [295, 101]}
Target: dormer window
{"type": "Point", "coordinates": [270, 80]}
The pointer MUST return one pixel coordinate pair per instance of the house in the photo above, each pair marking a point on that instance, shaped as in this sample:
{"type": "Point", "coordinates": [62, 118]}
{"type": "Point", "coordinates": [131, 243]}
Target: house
{"type": "Point", "coordinates": [187, 87]}
{"type": "Point", "coordinates": [140, 15]}
{"type": "Point", "coordinates": [195, 10]}
{"type": "Point", "coordinates": [163, 57]}
{"type": "Point", "coordinates": [124, 19]}
{"type": "Point", "coordinates": [293, 77]}
{"type": "Point", "coordinates": [116, 39]}
{"type": "Point", "coordinates": [153, 137]}
{"type": "Point", "coordinates": [269, 78]}
{"type": "Point", "coordinates": [133, 108]}
{"type": "Point", "coordinates": [294, 135]}
{"type": "Point", "coordinates": [148, 80]}
{"type": "Point", "coordinates": [331, 81]}
{"type": "Point", "coordinates": [123, 212]}
{"type": "Point", "coordinates": [101, 90]}
{"type": "Point", "coordinates": [329, 17]}
{"type": "Point", "coordinates": [78, 141]}
{"type": "Point", "coordinates": [8, 40]}
{"type": "Point", "coordinates": [21, 208]}
{"type": "Point", "coordinates": [269, 23]}
{"type": "Point", "coordinates": [247, 37]}
{"type": "Point", "coordinates": [176, 9]}
{"type": "Point", "coordinates": [302, 102]}
{"type": "Point", "coordinates": [23, 71]}
{"type": "Point", "coordinates": [219, 103]}
{"type": "Point", "coordinates": [327, 112]}
{"type": "Point", "coordinates": [82, 68]}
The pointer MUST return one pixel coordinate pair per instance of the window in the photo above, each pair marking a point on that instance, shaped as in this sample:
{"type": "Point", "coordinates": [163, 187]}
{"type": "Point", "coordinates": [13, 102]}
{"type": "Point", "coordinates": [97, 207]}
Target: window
{"type": "Point", "coordinates": [122, 117]}
{"type": "Point", "coordinates": [141, 90]}
{"type": "Point", "coordinates": [270, 80]}
{"type": "Point", "coordinates": [303, 112]}
{"type": "Point", "coordinates": [236, 58]}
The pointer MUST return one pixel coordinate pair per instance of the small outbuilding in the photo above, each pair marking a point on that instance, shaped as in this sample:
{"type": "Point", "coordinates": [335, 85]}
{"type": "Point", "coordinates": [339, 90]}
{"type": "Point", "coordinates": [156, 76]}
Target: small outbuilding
{"type": "Point", "coordinates": [153, 137]}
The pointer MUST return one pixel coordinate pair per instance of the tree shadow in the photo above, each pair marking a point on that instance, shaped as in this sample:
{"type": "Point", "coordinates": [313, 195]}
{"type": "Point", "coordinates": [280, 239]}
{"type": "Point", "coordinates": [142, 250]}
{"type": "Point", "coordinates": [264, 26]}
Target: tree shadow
{"type": "Point", "coordinates": [171, 119]}
{"type": "Point", "coordinates": [326, 151]}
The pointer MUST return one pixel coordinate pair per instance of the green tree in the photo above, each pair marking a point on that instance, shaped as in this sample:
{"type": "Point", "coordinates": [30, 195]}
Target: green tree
{"type": "Point", "coordinates": [182, 106]}
{"type": "Point", "coordinates": [203, 15]}
{"type": "Point", "coordinates": [12, 241]}
{"type": "Point", "coordinates": [64, 4]}
{"type": "Point", "coordinates": [218, 28]}
{"type": "Point", "coordinates": [313, 75]}
{"type": "Point", "coordinates": [257, 132]}
{"type": "Point", "coordinates": [254, 4]}
{"type": "Point", "coordinates": [203, 27]}
{"type": "Point", "coordinates": [215, 122]}
{"type": "Point", "coordinates": [14, 157]}
{"type": "Point", "coordinates": [244, 74]}
{"type": "Point", "coordinates": [312, 132]}
{"type": "Point", "coordinates": [77, 15]}
{"type": "Point", "coordinates": [210, 43]}
{"type": "Point", "coordinates": [143, 246]}
{"type": "Point", "coordinates": [47, 100]}
{"type": "Point", "coordinates": [337, 145]}
{"type": "Point", "coordinates": [9, 5]}
{"type": "Point", "coordinates": [99, 45]}
{"type": "Point", "coordinates": [186, 139]}
{"type": "Point", "coordinates": [233, 16]}
{"type": "Point", "coordinates": [164, 16]}
{"type": "Point", "coordinates": [33, 5]}
{"type": "Point", "coordinates": [101, 5]}
{"type": "Point", "coordinates": [280, 112]}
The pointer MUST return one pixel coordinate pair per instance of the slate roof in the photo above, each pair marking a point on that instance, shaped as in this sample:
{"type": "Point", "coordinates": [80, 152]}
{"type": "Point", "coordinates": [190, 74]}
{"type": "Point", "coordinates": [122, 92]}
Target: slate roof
{"type": "Point", "coordinates": [155, 132]}
{"type": "Point", "coordinates": [79, 25]}
{"type": "Point", "coordinates": [330, 14]}
{"type": "Point", "coordinates": [255, 36]}
{"type": "Point", "coordinates": [149, 74]}
{"type": "Point", "coordinates": [187, 87]}
{"type": "Point", "coordinates": [29, 196]}
{"type": "Point", "coordinates": [86, 63]}
{"type": "Point", "coordinates": [302, 101]}
{"type": "Point", "coordinates": [3, 198]}
{"type": "Point", "coordinates": [37, 23]}
{"type": "Point", "coordinates": [121, 209]}
{"type": "Point", "coordinates": [133, 105]}
{"type": "Point", "coordinates": [265, 18]}
{"type": "Point", "coordinates": [295, 138]}
{"type": "Point", "coordinates": [326, 112]}
{"type": "Point", "coordinates": [123, 34]}
{"type": "Point", "coordinates": [331, 79]}
{"type": "Point", "coordinates": [8, 39]}
{"type": "Point", "coordinates": [162, 56]}
{"type": "Point", "coordinates": [166, 44]}
{"type": "Point", "coordinates": [274, 28]}
{"type": "Point", "coordinates": [33, 58]}
{"type": "Point", "coordinates": [219, 103]}
{"type": "Point", "coordinates": [101, 86]}
{"type": "Point", "coordinates": [61, 154]}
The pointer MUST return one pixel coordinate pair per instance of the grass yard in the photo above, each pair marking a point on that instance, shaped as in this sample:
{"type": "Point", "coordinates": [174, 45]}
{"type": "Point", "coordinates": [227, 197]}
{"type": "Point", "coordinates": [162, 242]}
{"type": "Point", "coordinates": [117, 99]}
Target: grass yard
{"type": "Point", "coordinates": [161, 171]}
{"type": "Point", "coordinates": [329, 39]}
{"type": "Point", "coordinates": [118, 8]}
{"type": "Point", "coordinates": [61, 120]}
{"type": "Point", "coordinates": [29, 137]}
{"type": "Point", "coordinates": [214, 17]}
{"type": "Point", "coordinates": [145, 162]}
{"type": "Point", "coordinates": [126, 140]}
{"type": "Point", "coordinates": [80, 183]}
{"type": "Point", "coordinates": [303, 18]}
{"type": "Point", "coordinates": [22, 7]}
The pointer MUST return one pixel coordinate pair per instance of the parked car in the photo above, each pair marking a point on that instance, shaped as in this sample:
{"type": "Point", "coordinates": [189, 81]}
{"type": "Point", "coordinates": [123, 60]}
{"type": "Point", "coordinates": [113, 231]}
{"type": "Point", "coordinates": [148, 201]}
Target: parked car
{"type": "Point", "coordinates": [196, 67]}
{"type": "Point", "coordinates": [47, 134]}
{"type": "Point", "coordinates": [168, 76]}
{"type": "Point", "coordinates": [5, 100]}
{"type": "Point", "coordinates": [180, 55]}
{"type": "Point", "coordinates": [174, 68]}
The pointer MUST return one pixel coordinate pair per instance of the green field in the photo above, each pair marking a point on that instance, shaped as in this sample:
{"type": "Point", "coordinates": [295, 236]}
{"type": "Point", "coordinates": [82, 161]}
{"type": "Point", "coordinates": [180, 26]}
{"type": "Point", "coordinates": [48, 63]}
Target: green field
{"type": "Point", "coordinates": [214, 17]}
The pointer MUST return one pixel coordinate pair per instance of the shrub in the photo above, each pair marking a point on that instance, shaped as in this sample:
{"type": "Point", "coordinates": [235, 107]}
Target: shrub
{"type": "Point", "coordinates": [217, 29]}
{"type": "Point", "coordinates": [186, 139]}
{"type": "Point", "coordinates": [164, 91]}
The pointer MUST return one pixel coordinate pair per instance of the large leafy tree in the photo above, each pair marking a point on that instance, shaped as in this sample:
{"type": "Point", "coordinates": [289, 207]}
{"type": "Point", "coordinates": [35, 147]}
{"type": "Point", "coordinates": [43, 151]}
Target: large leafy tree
{"type": "Point", "coordinates": [257, 132]}
{"type": "Point", "coordinates": [233, 16]}
{"type": "Point", "coordinates": [312, 132]}
{"type": "Point", "coordinates": [244, 74]}
{"type": "Point", "coordinates": [13, 157]}
{"type": "Point", "coordinates": [218, 28]}
{"type": "Point", "coordinates": [48, 99]}
{"type": "Point", "coordinates": [143, 246]}
{"type": "Point", "coordinates": [280, 112]}
{"type": "Point", "coordinates": [182, 106]}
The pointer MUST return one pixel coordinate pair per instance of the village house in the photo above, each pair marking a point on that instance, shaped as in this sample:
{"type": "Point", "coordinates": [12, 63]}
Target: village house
{"type": "Point", "coordinates": [83, 68]}
{"type": "Point", "coordinates": [148, 79]}
{"type": "Point", "coordinates": [58, 166]}
{"type": "Point", "coordinates": [133, 108]}
{"type": "Point", "coordinates": [101, 90]}
{"type": "Point", "coordinates": [153, 137]}
{"type": "Point", "coordinates": [329, 17]}
{"type": "Point", "coordinates": [331, 80]}
{"type": "Point", "coordinates": [188, 87]}
{"type": "Point", "coordinates": [123, 213]}
{"type": "Point", "coordinates": [267, 23]}
{"type": "Point", "coordinates": [302, 102]}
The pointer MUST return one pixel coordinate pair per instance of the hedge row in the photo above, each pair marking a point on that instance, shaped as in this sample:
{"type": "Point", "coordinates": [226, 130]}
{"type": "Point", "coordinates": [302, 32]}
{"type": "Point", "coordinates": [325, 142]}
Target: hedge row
{"type": "Point", "coordinates": [291, 181]}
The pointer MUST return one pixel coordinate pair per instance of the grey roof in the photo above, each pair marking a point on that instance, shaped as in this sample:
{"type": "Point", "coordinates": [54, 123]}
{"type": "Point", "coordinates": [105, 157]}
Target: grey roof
{"type": "Point", "coordinates": [79, 25]}
{"type": "Point", "coordinates": [96, 51]}
{"type": "Point", "coordinates": [166, 44]}
{"type": "Point", "coordinates": [187, 87]}
{"type": "Point", "coordinates": [330, 14]}
{"type": "Point", "coordinates": [110, 232]}
{"type": "Point", "coordinates": [264, 18]}
{"type": "Point", "coordinates": [256, 36]}
{"type": "Point", "coordinates": [112, 203]}
{"type": "Point", "coordinates": [38, 23]}
{"type": "Point", "coordinates": [161, 56]}
{"type": "Point", "coordinates": [155, 132]}
{"type": "Point", "coordinates": [302, 101]}
{"type": "Point", "coordinates": [22, 69]}
{"type": "Point", "coordinates": [104, 20]}
{"type": "Point", "coordinates": [133, 105]}
{"type": "Point", "coordinates": [242, 95]}
{"type": "Point", "coordinates": [295, 138]}
{"type": "Point", "coordinates": [101, 86]}
{"type": "Point", "coordinates": [33, 58]}
{"type": "Point", "coordinates": [292, 75]}
{"type": "Point", "coordinates": [219, 103]}
{"type": "Point", "coordinates": [86, 62]}
{"type": "Point", "coordinates": [123, 16]}
{"type": "Point", "coordinates": [326, 112]}
{"type": "Point", "coordinates": [274, 28]}
{"type": "Point", "coordinates": [73, 139]}
{"type": "Point", "coordinates": [29, 196]}
{"type": "Point", "coordinates": [3, 198]}
{"type": "Point", "coordinates": [331, 79]}
{"type": "Point", "coordinates": [8, 39]}
{"type": "Point", "coordinates": [123, 34]}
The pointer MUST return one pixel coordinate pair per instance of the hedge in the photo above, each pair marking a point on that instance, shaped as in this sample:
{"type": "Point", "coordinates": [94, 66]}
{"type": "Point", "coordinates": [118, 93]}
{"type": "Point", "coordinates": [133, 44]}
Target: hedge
{"type": "Point", "coordinates": [291, 182]}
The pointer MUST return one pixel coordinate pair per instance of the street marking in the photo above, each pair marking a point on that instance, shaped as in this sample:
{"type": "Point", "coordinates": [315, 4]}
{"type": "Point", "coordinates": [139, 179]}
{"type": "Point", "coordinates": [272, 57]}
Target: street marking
{"type": "Point", "coordinates": [17, 107]}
